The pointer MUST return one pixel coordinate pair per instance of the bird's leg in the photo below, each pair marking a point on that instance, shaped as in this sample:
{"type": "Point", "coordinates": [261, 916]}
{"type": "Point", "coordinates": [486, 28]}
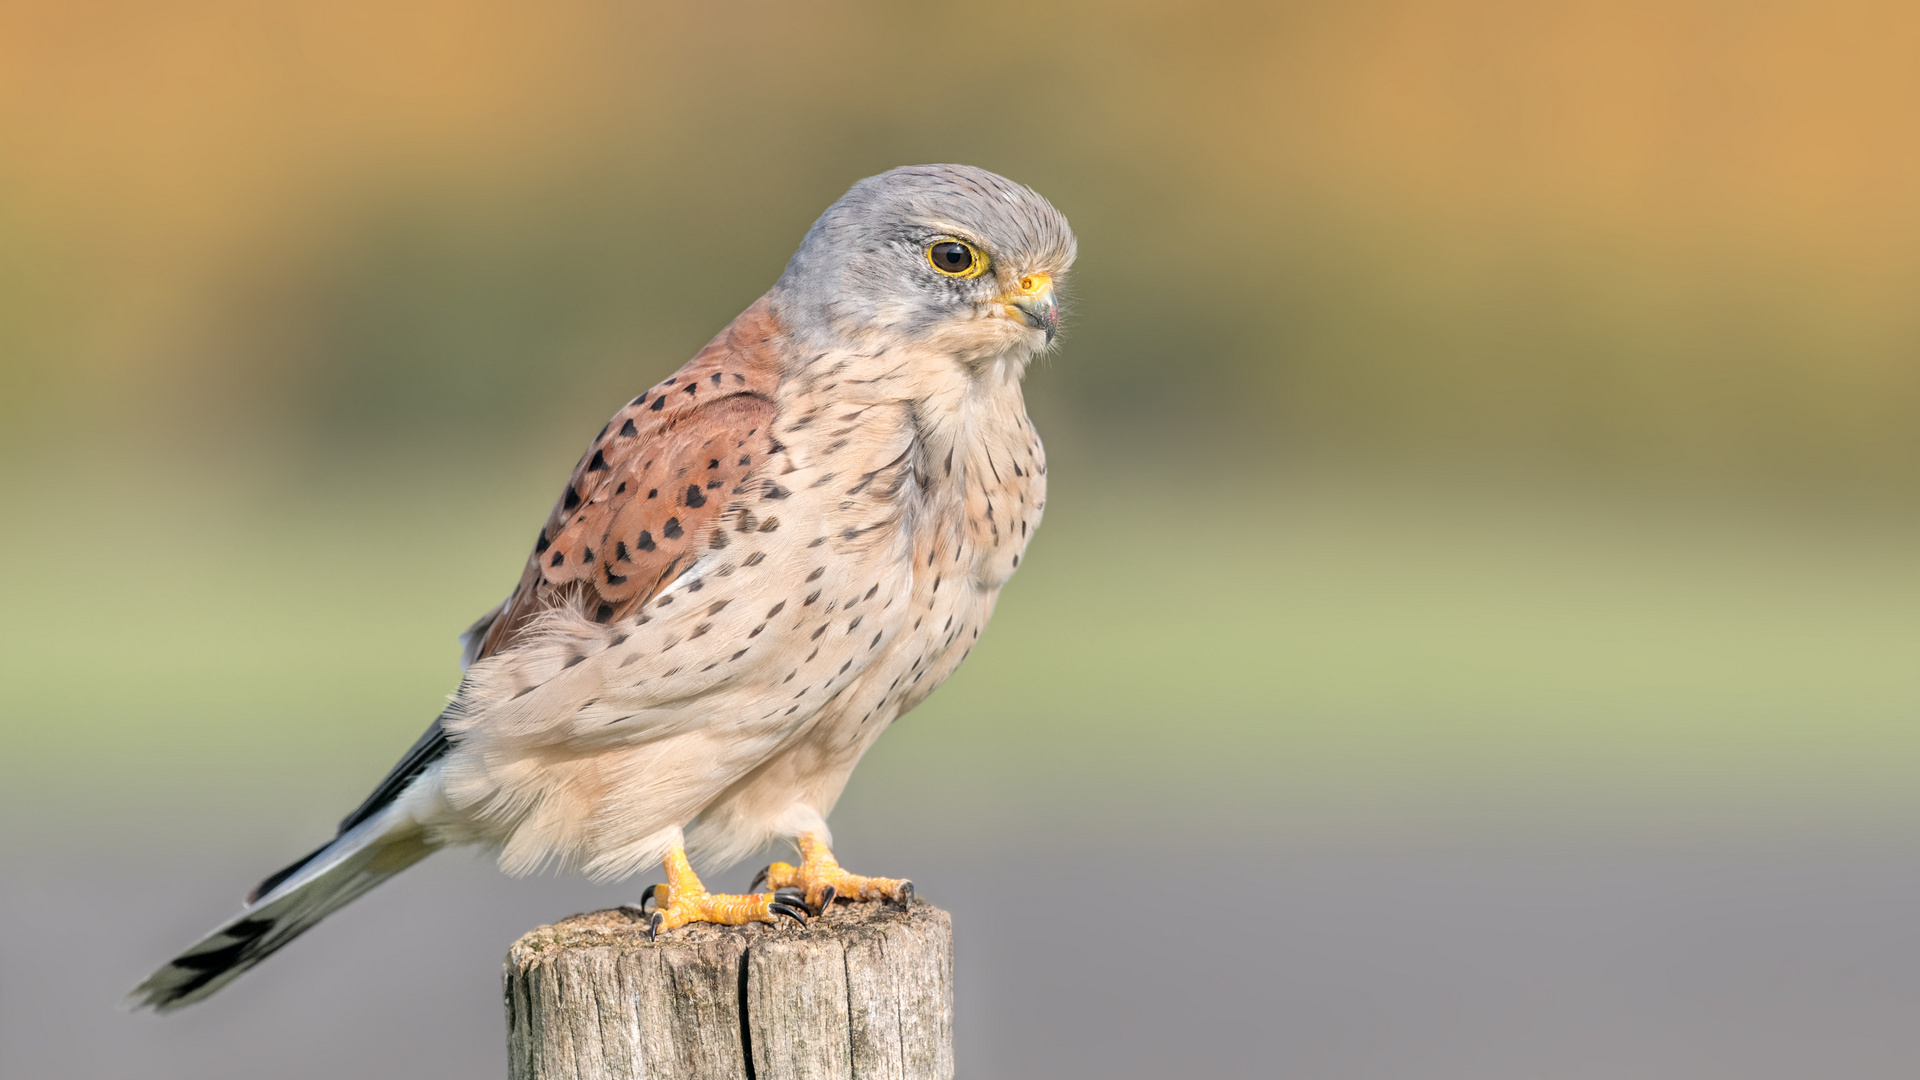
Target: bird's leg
{"type": "Point", "coordinates": [687, 900]}
{"type": "Point", "coordinates": [820, 878]}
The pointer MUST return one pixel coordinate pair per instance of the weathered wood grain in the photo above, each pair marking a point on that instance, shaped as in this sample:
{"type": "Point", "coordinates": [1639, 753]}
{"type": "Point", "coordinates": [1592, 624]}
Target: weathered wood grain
{"type": "Point", "coordinates": [865, 992]}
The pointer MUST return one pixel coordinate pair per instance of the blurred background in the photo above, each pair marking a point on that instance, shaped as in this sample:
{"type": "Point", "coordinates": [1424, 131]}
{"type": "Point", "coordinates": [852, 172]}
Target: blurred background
{"type": "Point", "coordinates": [1481, 536]}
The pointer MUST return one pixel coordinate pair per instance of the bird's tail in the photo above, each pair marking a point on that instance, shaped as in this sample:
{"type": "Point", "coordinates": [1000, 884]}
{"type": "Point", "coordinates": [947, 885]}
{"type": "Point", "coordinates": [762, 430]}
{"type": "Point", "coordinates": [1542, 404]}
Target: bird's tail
{"type": "Point", "coordinates": [285, 905]}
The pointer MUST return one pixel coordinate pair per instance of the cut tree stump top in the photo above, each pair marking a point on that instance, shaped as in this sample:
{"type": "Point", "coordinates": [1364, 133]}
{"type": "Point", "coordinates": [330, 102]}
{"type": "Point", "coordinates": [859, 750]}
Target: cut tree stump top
{"type": "Point", "coordinates": [864, 992]}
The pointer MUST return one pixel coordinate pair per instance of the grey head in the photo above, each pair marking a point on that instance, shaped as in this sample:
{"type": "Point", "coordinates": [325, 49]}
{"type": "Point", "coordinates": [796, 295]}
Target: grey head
{"type": "Point", "coordinates": [947, 255]}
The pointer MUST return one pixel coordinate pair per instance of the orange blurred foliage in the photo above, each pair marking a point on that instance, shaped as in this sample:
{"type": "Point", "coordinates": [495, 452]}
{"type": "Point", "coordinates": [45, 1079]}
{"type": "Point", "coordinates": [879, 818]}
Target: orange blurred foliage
{"type": "Point", "coordinates": [1679, 155]}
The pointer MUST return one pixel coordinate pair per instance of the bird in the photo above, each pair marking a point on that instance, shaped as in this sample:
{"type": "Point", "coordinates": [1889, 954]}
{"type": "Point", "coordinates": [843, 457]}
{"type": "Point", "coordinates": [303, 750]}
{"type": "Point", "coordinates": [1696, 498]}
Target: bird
{"type": "Point", "coordinates": [756, 566]}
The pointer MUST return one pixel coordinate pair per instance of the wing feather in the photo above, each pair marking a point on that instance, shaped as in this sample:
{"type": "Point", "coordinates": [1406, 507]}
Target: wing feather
{"type": "Point", "coordinates": [648, 490]}
{"type": "Point", "coordinates": [652, 485]}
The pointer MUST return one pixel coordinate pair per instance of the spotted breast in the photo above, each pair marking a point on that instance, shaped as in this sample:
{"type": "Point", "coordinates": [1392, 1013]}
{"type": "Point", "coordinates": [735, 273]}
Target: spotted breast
{"type": "Point", "coordinates": [729, 605]}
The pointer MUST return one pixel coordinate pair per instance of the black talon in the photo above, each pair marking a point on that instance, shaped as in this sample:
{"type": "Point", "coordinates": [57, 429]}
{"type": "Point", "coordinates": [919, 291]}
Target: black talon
{"type": "Point", "coordinates": [906, 894]}
{"type": "Point", "coordinates": [647, 897]}
{"type": "Point", "coordinates": [760, 878]}
{"type": "Point", "coordinates": [790, 895]}
{"type": "Point", "coordinates": [653, 926]}
{"type": "Point", "coordinates": [789, 911]}
{"type": "Point", "coordinates": [827, 896]}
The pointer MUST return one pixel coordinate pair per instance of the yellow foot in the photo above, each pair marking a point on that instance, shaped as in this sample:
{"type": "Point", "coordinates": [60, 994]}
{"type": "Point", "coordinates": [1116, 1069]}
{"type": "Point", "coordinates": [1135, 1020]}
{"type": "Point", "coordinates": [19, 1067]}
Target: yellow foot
{"type": "Point", "coordinates": [820, 879]}
{"type": "Point", "coordinates": [683, 900]}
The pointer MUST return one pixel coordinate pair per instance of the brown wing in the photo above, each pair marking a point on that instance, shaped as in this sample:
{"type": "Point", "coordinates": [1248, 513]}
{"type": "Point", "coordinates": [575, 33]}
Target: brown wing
{"type": "Point", "coordinates": [651, 485]}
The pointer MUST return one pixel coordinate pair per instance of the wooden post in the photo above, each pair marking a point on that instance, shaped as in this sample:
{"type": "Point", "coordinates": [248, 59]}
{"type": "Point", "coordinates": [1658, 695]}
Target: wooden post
{"type": "Point", "coordinates": [864, 992]}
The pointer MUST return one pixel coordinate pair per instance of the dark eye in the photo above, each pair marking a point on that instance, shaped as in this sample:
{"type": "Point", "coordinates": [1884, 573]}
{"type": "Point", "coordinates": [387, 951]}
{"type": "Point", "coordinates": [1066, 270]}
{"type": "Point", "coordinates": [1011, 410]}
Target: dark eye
{"type": "Point", "coordinates": [953, 257]}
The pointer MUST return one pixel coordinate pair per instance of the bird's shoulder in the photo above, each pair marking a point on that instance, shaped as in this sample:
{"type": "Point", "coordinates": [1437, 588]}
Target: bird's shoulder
{"type": "Point", "coordinates": [652, 484]}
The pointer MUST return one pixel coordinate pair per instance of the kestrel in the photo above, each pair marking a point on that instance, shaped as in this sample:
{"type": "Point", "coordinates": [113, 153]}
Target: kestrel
{"type": "Point", "coordinates": [757, 565]}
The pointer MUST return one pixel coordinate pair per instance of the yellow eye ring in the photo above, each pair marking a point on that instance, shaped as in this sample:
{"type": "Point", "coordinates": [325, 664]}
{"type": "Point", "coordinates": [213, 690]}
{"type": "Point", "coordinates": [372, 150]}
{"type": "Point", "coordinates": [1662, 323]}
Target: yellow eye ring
{"type": "Point", "coordinates": [956, 259]}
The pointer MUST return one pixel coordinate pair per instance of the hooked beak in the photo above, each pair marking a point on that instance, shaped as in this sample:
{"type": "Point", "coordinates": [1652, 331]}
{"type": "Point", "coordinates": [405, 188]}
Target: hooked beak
{"type": "Point", "coordinates": [1032, 302]}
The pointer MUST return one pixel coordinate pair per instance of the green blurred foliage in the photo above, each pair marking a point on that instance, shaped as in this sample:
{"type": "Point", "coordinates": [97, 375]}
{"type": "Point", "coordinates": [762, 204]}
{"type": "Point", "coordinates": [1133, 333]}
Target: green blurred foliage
{"type": "Point", "coordinates": [1351, 641]}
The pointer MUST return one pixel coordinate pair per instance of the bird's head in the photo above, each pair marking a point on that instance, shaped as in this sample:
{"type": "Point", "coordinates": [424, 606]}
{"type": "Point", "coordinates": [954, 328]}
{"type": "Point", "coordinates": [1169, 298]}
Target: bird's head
{"type": "Point", "coordinates": [944, 255]}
